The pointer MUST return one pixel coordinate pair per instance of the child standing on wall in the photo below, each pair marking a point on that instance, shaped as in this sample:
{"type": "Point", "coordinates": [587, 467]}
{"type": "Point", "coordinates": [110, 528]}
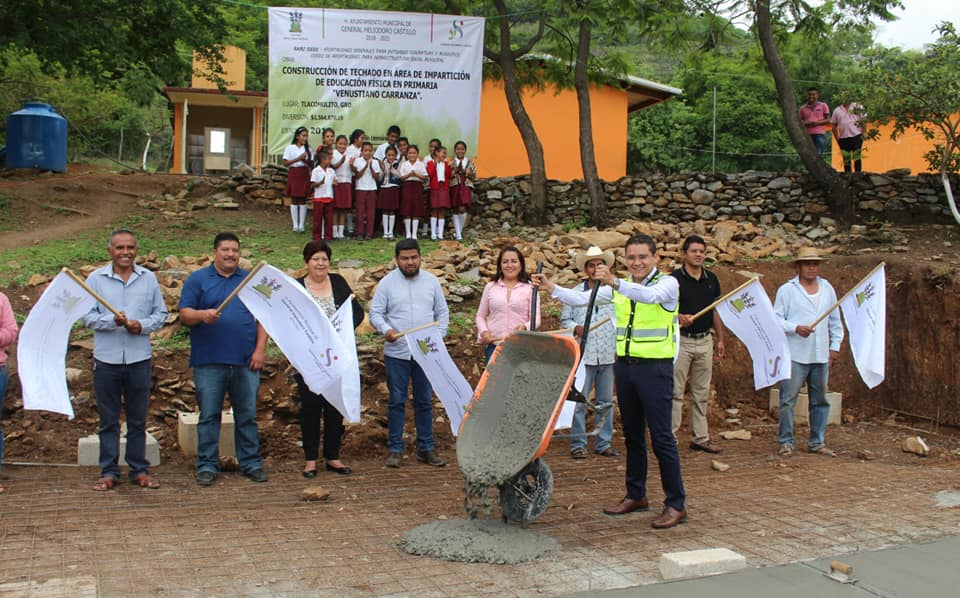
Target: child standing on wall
{"type": "Point", "coordinates": [461, 190]}
{"type": "Point", "coordinates": [366, 172]}
{"type": "Point", "coordinates": [389, 198]}
{"type": "Point", "coordinates": [439, 173]}
{"type": "Point", "coordinates": [413, 173]}
{"type": "Point", "coordinates": [343, 189]}
{"type": "Point", "coordinates": [322, 180]}
{"type": "Point", "coordinates": [353, 152]}
{"type": "Point", "coordinates": [296, 157]}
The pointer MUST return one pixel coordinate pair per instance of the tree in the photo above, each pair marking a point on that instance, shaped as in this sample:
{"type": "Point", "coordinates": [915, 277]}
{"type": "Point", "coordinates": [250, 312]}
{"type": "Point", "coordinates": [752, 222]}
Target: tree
{"type": "Point", "coordinates": [914, 90]}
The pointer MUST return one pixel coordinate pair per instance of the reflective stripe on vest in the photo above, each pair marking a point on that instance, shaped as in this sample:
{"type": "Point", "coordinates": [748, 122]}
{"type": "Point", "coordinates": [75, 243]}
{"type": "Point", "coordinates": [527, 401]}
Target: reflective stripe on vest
{"type": "Point", "coordinates": [649, 330]}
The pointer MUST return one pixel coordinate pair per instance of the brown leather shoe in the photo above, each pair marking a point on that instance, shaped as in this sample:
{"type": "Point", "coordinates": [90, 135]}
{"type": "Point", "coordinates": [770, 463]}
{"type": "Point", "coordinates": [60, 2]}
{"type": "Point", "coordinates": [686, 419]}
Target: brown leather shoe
{"type": "Point", "coordinates": [628, 505]}
{"type": "Point", "coordinates": [669, 518]}
{"type": "Point", "coordinates": [707, 447]}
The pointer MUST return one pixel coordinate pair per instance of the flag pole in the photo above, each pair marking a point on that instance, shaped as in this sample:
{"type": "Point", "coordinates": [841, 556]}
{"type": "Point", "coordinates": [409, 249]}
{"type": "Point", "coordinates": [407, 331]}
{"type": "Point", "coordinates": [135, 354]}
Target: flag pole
{"type": "Point", "coordinates": [242, 284]}
{"type": "Point", "coordinates": [724, 298]}
{"type": "Point", "coordinates": [418, 328]}
{"type": "Point", "coordinates": [93, 293]}
{"type": "Point", "coordinates": [847, 294]}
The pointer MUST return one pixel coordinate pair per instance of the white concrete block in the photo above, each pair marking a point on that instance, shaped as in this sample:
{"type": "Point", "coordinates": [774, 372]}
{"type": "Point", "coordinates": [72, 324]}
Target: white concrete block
{"type": "Point", "coordinates": [700, 563]}
{"type": "Point", "coordinates": [88, 449]}
{"type": "Point", "coordinates": [802, 410]}
{"type": "Point", "coordinates": [187, 433]}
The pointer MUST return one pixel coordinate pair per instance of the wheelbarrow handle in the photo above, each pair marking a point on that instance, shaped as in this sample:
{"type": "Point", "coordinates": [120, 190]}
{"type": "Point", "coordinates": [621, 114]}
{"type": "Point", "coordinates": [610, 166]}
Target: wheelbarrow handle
{"type": "Point", "coordinates": [534, 296]}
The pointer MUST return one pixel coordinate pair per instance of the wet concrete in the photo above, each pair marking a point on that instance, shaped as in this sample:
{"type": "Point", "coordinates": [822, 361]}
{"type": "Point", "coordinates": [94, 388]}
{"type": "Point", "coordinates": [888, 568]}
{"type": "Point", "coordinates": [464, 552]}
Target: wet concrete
{"type": "Point", "coordinates": [477, 541]}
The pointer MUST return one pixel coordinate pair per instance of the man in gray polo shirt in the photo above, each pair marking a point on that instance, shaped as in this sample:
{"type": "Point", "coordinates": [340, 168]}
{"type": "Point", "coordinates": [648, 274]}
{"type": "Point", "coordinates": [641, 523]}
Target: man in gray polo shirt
{"type": "Point", "coordinates": [405, 298]}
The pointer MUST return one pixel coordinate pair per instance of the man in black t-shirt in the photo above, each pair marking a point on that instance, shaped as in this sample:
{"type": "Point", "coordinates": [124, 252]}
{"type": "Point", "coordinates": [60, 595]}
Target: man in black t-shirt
{"type": "Point", "coordinates": [698, 288]}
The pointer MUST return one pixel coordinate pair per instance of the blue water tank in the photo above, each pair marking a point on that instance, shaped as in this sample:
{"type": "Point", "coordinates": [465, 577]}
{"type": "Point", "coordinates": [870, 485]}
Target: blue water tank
{"type": "Point", "coordinates": [37, 138]}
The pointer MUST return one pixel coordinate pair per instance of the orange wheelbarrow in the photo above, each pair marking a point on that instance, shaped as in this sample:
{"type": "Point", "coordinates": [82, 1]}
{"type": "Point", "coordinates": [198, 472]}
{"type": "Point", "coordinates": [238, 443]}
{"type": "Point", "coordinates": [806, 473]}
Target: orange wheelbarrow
{"type": "Point", "coordinates": [509, 422]}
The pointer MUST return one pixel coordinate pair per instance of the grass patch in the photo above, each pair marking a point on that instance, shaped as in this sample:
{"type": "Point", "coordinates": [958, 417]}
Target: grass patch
{"type": "Point", "coordinates": [265, 235]}
{"type": "Point", "coordinates": [460, 323]}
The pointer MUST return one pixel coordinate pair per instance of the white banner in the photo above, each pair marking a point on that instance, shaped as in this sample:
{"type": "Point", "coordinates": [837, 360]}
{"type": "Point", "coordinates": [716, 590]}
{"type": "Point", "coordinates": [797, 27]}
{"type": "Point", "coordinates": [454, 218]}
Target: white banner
{"type": "Point", "coordinates": [749, 314]}
{"type": "Point", "coordinates": [345, 397]}
{"type": "Point", "coordinates": [42, 349]}
{"type": "Point", "coordinates": [865, 312]}
{"type": "Point", "coordinates": [298, 326]}
{"type": "Point", "coordinates": [356, 69]}
{"type": "Point", "coordinates": [565, 419]}
{"type": "Point", "coordinates": [427, 349]}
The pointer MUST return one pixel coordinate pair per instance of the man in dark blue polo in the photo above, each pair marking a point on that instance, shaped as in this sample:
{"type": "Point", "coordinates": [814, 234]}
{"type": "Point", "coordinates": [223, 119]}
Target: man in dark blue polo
{"type": "Point", "coordinates": [226, 354]}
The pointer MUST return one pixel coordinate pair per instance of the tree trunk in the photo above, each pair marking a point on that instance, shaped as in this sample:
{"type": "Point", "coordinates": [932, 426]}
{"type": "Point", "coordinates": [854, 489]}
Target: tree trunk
{"type": "Point", "coordinates": [536, 213]}
{"type": "Point", "coordinates": [838, 194]}
{"type": "Point", "coordinates": [588, 158]}
{"type": "Point", "coordinates": [951, 201]}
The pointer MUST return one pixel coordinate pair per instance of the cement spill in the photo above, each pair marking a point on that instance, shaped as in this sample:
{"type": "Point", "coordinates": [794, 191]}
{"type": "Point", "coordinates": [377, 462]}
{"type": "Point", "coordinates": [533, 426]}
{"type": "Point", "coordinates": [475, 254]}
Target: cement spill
{"type": "Point", "coordinates": [499, 438]}
{"type": "Point", "coordinates": [477, 541]}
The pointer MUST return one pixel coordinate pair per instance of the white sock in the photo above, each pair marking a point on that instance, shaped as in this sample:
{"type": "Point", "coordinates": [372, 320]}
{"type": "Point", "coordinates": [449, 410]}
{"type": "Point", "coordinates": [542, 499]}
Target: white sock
{"type": "Point", "coordinates": [416, 227]}
{"type": "Point", "coordinates": [349, 223]}
{"type": "Point", "coordinates": [440, 223]}
{"type": "Point", "coordinates": [303, 216]}
{"type": "Point", "coordinates": [391, 223]}
{"type": "Point", "coordinates": [433, 227]}
{"type": "Point", "coordinates": [457, 226]}
{"type": "Point", "coordinates": [407, 228]}
{"type": "Point", "coordinates": [386, 226]}
{"type": "Point", "coordinates": [294, 210]}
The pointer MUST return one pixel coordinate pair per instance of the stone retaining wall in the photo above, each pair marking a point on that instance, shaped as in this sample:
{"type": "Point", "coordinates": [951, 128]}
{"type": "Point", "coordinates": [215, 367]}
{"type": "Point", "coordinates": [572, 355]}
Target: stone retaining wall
{"type": "Point", "coordinates": [767, 197]}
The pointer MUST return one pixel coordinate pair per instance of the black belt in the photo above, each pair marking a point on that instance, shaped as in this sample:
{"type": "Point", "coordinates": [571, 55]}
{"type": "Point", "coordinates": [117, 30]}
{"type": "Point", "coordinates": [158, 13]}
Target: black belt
{"type": "Point", "coordinates": [643, 360]}
{"type": "Point", "coordinates": [694, 334]}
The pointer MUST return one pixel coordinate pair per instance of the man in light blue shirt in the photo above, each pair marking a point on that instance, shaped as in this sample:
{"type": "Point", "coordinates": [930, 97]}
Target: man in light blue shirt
{"type": "Point", "coordinates": [408, 297]}
{"type": "Point", "coordinates": [122, 356]}
{"type": "Point", "coordinates": [799, 302]}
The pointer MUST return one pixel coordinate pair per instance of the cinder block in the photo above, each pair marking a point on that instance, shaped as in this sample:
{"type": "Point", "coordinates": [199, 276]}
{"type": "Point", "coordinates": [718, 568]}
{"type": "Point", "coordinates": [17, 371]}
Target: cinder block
{"type": "Point", "coordinates": [801, 411]}
{"type": "Point", "coordinates": [187, 433]}
{"type": "Point", "coordinates": [88, 449]}
{"type": "Point", "coordinates": [700, 563]}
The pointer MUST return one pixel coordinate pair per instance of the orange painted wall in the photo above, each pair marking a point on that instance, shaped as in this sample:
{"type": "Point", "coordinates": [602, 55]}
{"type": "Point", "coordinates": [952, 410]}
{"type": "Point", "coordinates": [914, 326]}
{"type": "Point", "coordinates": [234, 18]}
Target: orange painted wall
{"type": "Point", "coordinates": [555, 118]}
{"type": "Point", "coordinates": [884, 154]}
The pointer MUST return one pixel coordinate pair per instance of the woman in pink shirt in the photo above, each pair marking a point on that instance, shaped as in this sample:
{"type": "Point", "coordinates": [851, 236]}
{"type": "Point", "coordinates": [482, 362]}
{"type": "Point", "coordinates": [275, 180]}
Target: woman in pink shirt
{"type": "Point", "coordinates": [505, 304]}
{"type": "Point", "coordinates": [8, 334]}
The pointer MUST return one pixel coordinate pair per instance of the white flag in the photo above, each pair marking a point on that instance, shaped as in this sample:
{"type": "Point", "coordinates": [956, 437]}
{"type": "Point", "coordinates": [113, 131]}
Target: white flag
{"type": "Point", "coordinates": [42, 350]}
{"type": "Point", "coordinates": [565, 419]}
{"type": "Point", "coordinates": [427, 349]}
{"type": "Point", "coordinates": [298, 326]}
{"type": "Point", "coordinates": [749, 314]}
{"type": "Point", "coordinates": [865, 312]}
{"type": "Point", "coordinates": [345, 397]}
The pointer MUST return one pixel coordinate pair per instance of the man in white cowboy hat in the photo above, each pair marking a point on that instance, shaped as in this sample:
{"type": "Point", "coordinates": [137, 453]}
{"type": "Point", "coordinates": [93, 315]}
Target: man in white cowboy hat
{"type": "Point", "coordinates": [699, 288]}
{"type": "Point", "coordinates": [800, 301]}
{"type": "Point", "coordinates": [599, 353]}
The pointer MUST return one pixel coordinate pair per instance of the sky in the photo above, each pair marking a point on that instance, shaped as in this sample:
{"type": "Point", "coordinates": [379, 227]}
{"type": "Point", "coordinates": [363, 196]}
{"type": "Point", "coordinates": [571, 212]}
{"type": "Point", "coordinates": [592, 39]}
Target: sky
{"type": "Point", "coordinates": [916, 21]}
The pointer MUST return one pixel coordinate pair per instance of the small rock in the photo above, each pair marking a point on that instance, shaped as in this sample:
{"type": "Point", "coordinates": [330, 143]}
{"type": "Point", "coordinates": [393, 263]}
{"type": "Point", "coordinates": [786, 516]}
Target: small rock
{"type": "Point", "coordinates": [73, 374]}
{"type": "Point", "coordinates": [736, 435]}
{"type": "Point", "coordinates": [732, 411]}
{"type": "Point", "coordinates": [915, 445]}
{"type": "Point", "coordinates": [315, 493]}
{"type": "Point", "coordinates": [37, 280]}
{"type": "Point", "coordinates": [719, 465]}
{"type": "Point", "coordinates": [866, 455]}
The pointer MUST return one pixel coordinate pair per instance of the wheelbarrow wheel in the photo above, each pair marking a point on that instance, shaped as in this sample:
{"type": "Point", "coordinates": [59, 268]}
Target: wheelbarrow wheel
{"type": "Point", "coordinates": [525, 496]}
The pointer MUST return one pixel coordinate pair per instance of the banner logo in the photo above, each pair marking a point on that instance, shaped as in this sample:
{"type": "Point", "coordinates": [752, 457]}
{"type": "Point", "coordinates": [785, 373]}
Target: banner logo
{"type": "Point", "coordinates": [267, 286]}
{"type": "Point", "coordinates": [456, 30]}
{"type": "Point", "coordinates": [744, 301]}
{"type": "Point", "coordinates": [65, 301]}
{"type": "Point", "coordinates": [427, 345]}
{"type": "Point", "coordinates": [296, 17]}
{"type": "Point", "coordinates": [868, 292]}
{"type": "Point", "coordinates": [776, 366]}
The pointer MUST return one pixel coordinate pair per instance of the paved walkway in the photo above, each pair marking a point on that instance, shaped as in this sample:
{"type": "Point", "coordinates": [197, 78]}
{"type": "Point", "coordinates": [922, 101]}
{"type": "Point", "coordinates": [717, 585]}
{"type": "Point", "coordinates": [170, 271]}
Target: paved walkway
{"type": "Point", "coordinates": [914, 571]}
{"type": "Point", "coordinates": [57, 537]}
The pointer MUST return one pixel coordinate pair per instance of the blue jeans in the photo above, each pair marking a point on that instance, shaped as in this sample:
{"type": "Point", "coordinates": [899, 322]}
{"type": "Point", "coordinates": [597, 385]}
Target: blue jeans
{"type": "Point", "coordinates": [213, 382]}
{"type": "Point", "coordinates": [4, 376]}
{"type": "Point", "coordinates": [601, 377]}
{"type": "Point", "coordinates": [815, 375]}
{"type": "Point", "coordinates": [119, 386]}
{"type": "Point", "coordinates": [400, 372]}
{"type": "Point", "coordinates": [819, 142]}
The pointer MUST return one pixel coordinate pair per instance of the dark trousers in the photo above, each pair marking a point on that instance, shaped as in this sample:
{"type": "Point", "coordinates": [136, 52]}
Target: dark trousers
{"type": "Point", "coordinates": [127, 386]}
{"type": "Point", "coordinates": [312, 408]}
{"type": "Point", "coordinates": [645, 398]}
